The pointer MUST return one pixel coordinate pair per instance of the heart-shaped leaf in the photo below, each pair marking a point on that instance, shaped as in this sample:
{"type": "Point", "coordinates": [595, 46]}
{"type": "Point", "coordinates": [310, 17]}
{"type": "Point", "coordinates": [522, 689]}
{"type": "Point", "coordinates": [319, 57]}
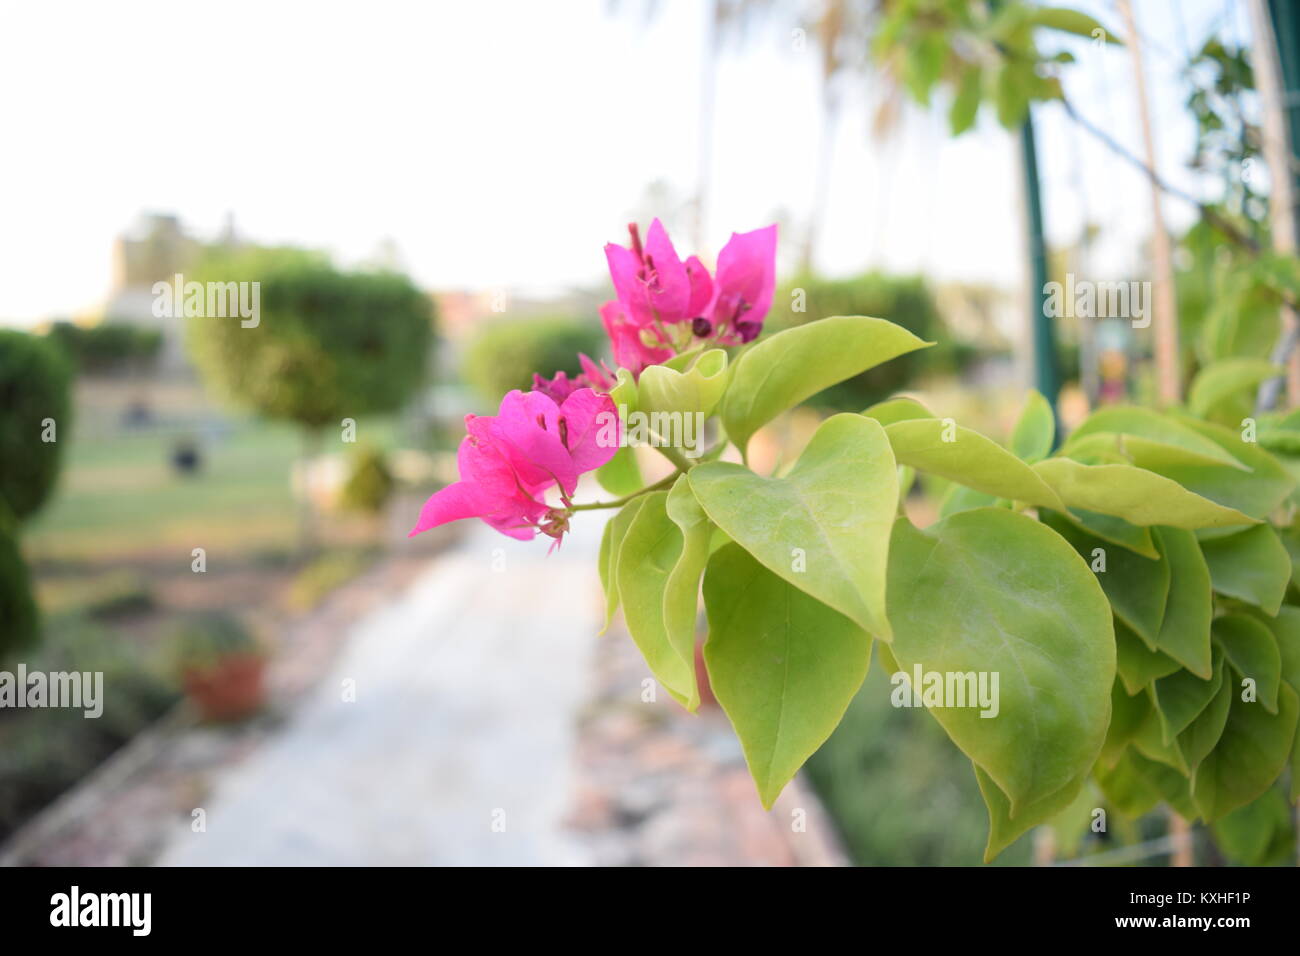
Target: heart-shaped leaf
{"type": "Point", "coordinates": [781, 371]}
{"type": "Point", "coordinates": [782, 664]}
{"type": "Point", "coordinates": [994, 591]}
{"type": "Point", "coordinates": [825, 526]}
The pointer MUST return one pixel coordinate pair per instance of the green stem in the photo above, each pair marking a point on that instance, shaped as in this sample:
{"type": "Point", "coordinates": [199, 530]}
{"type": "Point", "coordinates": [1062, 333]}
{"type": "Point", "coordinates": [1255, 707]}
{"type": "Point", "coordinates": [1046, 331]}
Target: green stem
{"type": "Point", "coordinates": [593, 505]}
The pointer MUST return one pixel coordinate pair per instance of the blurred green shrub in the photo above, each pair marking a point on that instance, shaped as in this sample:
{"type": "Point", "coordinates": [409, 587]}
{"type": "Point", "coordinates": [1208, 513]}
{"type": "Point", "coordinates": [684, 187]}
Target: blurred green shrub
{"type": "Point", "coordinates": [19, 618]}
{"type": "Point", "coordinates": [504, 355]}
{"type": "Point", "coordinates": [329, 345]}
{"type": "Point", "coordinates": [106, 347]}
{"type": "Point", "coordinates": [44, 751]}
{"type": "Point", "coordinates": [35, 405]}
{"type": "Point", "coordinates": [904, 300]}
{"type": "Point", "coordinates": [370, 483]}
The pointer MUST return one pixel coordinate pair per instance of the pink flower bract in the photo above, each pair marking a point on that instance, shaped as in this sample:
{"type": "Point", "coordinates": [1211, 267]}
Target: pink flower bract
{"type": "Point", "coordinates": [508, 460]}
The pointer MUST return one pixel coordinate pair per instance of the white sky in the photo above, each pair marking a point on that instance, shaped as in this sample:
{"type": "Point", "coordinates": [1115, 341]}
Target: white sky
{"type": "Point", "coordinates": [503, 143]}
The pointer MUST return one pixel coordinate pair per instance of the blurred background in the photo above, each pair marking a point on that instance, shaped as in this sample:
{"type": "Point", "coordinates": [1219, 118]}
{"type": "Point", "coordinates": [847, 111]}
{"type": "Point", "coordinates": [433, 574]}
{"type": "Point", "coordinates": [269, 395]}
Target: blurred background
{"type": "Point", "coordinates": [423, 192]}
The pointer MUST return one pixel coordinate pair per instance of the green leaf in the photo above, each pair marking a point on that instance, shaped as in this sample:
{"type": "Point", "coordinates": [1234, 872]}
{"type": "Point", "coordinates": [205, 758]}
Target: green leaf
{"type": "Point", "coordinates": [1160, 430]}
{"type": "Point", "coordinates": [900, 409]}
{"type": "Point", "coordinates": [1138, 496]}
{"type": "Point", "coordinates": [825, 526]}
{"type": "Point", "coordinates": [621, 475]}
{"type": "Point", "coordinates": [1005, 830]}
{"type": "Point", "coordinates": [697, 390]}
{"type": "Point", "coordinates": [1220, 381]}
{"type": "Point", "coordinates": [1149, 741]}
{"type": "Point", "coordinates": [624, 393]}
{"type": "Point", "coordinates": [1011, 93]}
{"type": "Point", "coordinates": [682, 588]}
{"type": "Point", "coordinates": [959, 498]}
{"type": "Point", "coordinates": [783, 665]}
{"type": "Point", "coordinates": [1246, 835]}
{"type": "Point", "coordinates": [1185, 629]}
{"type": "Point", "coordinates": [969, 459]}
{"type": "Point", "coordinates": [995, 591]}
{"type": "Point", "coordinates": [1252, 752]}
{"type": "Point", "coordinates": [1202, 735]}
{"type": "Point", "coordinates": [1253, 566]}
{"type": "Point", "coordinates": [1138, 665]}
{"type": "Point", "coordinates": [650, 550]}
{"type": "Point", "coordinates": [781, 371]}
{"type": "Point", "coordinates": [1136, 587]}
{"type": "Point", "coordinates": [1115, 530]}
{"type": "Point", "coordinates": [1180, 698]}
{"type": "Point", "coordinates": [1069, 21]}
{"type": "Point", "coordinates": [1252, 650]}
{"type": "Point", "coordinates": [611, 545]}
{"type": "Point", "coordinates": [1256, 494]}
{"type": "Point", "coordinates": [1286, 631]}
{"type": "Point", "coordinates": [1129, 785]}
{"type": "Point", "coordinates": [966, 103]}
{"type": "Point", "coordinates": [1127, 715]}
{"type": "Point", "coordinates": [1035, 429]}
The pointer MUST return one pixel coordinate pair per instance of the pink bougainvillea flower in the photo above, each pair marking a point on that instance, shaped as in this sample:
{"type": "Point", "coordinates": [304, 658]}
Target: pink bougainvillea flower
{"type": "Point", "coordinates": [743, 287]}
{"type": "Point", "coordinates": [559, 388]}
{"type": "Point", "coordinates": [508, 460]}
{"type": "Point", "coordinates": [653, 284]}
{"type": "Point", "coordinates": [628, 341]}
{"type": "Point", "coordinates": [599, 376]}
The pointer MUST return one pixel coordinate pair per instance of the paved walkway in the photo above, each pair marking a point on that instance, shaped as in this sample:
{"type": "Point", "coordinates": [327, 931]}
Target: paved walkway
{"type": "Point", "coordinates": [457, 747]}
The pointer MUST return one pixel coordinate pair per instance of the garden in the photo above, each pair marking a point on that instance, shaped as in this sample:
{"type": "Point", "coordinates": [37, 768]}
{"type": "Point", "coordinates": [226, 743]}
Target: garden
{"type": "Point", "coordinates": [946, 519]}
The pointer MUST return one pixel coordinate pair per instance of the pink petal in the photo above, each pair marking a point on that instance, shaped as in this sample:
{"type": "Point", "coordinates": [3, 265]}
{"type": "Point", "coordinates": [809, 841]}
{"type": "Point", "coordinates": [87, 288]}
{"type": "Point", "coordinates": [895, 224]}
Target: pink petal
{"type": "Point", "coordinates": [747, 272]}
{"type": "Point", "coordinates": [591, 425]}
{"type": "Point", "coordinates": [701, 287]}
{"type": "Point", "coordinates": [527, 426]}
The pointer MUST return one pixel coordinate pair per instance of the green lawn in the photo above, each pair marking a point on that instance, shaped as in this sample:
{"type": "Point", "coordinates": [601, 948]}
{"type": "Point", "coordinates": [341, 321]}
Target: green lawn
{"type": "Point", "coordinates": [119, 498]}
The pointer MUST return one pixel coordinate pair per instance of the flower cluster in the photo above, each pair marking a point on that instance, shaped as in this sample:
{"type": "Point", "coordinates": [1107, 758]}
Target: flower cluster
{"type": "Point", "coordinates": [546, 438]}
{"type": "Point", "coordinates": [508, 460]}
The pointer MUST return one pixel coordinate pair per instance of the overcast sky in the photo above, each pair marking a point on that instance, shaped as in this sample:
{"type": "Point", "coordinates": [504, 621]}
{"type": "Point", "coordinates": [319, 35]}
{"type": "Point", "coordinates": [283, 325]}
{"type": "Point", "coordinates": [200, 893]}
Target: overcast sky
{"type": "Point", "coordinates": [501, 144]}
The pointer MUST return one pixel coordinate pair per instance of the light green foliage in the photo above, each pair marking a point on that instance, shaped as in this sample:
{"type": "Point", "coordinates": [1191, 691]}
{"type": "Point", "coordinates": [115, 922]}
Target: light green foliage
{"type": "Point", "coordinates": [1121, 589]}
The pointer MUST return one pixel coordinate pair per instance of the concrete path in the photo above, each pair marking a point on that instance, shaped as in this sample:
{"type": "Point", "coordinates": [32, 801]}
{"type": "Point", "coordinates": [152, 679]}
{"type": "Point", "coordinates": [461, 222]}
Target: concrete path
{"type": "Point", "coordinates": [458, 746]}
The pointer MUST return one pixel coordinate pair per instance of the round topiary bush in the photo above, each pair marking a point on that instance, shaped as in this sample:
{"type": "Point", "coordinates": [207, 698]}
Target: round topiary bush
{"type": "Point", "coordinates": [327, 344]}
{"type": "Point", "coordinates": [503, 355]}
{"type": "Point", "coordinates": [35, 412]}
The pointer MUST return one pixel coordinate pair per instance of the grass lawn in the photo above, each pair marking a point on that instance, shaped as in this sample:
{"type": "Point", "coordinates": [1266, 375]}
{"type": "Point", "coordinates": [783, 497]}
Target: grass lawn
{"type": "Point", "coordinates": [120, 499]}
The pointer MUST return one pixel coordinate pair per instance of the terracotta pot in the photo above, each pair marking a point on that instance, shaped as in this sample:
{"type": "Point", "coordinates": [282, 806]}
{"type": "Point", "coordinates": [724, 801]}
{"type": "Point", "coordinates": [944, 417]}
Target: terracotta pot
{"type": "Point", "coordinates": [229, 689]}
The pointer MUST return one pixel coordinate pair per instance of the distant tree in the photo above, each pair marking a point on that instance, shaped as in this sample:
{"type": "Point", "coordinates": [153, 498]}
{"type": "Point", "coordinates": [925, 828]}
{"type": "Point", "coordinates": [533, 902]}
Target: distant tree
{"type": "Point", "coordinates": [109, 346]}
{"type": "Point", "coordinates": [328, 345]}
